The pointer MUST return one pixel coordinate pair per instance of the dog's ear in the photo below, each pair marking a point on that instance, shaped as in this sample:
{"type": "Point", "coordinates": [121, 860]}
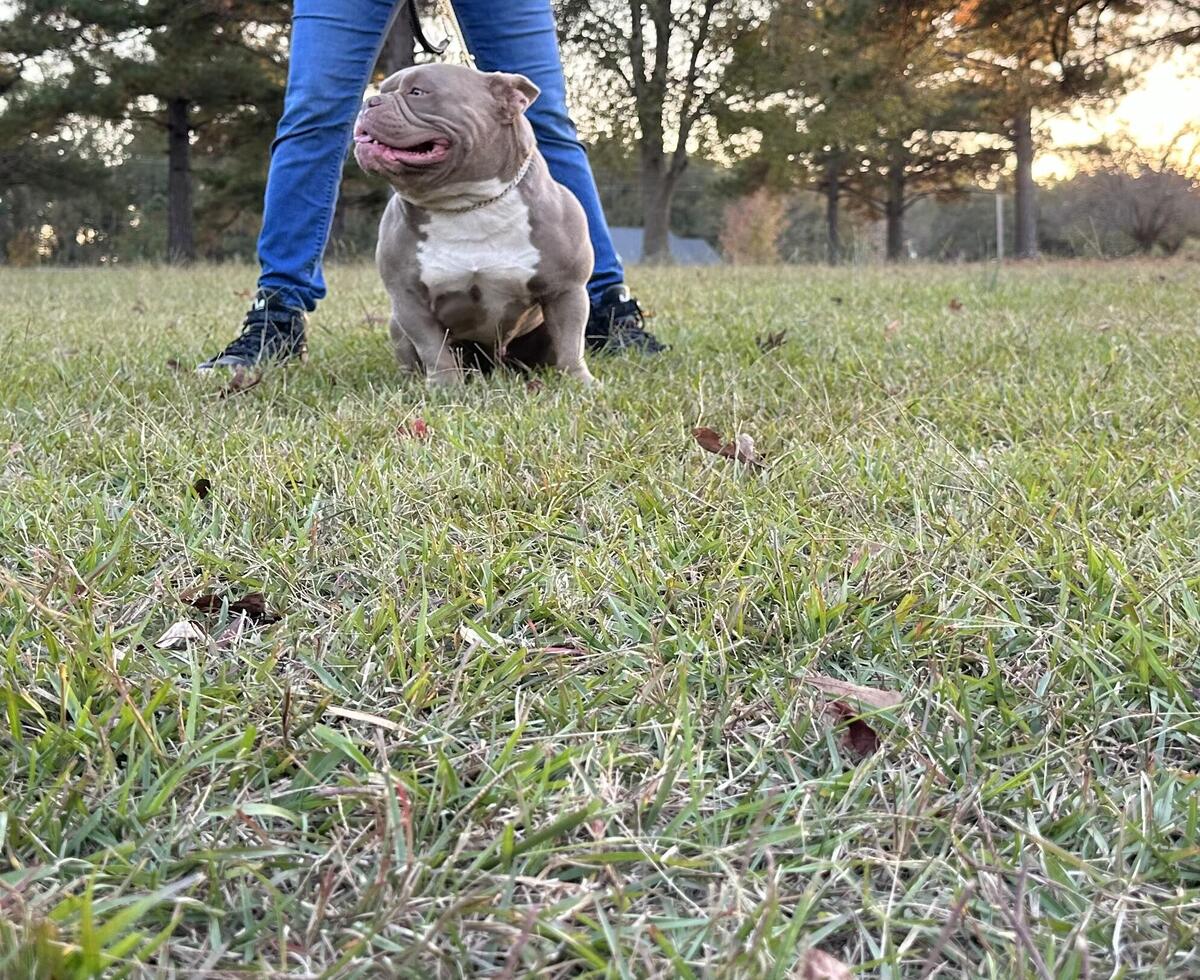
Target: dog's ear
{"type": "Point", "coordinates": [513, 94]}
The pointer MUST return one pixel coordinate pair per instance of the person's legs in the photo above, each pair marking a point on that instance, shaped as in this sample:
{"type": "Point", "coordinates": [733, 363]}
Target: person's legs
{"type": "Point", "coordinates": [334, 46]}
{"type": "Point", "coordinates": [519, 36]}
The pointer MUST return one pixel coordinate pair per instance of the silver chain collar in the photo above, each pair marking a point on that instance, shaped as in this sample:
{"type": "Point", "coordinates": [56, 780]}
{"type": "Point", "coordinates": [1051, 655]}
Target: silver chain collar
{"type": "Point", "coordinates": [491, 200]}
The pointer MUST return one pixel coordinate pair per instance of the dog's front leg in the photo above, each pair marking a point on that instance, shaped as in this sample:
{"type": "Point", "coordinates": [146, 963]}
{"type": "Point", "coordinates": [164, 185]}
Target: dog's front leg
{"type": "Point", "coordinates": [566, 316]}
{"type": "Point", "coordinates": [423, 344]}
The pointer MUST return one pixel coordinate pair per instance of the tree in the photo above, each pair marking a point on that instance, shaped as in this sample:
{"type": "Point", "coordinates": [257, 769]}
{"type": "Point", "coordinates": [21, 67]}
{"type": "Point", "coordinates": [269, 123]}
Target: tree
{"type": "Point", "coordinates": [661, 62]}
{"type": "Point", "coordinates": [180, 68]}
{"type": "Point", "coordinates": [858, 100]}
{"type": "Point", "coordinates": [1031, 56]}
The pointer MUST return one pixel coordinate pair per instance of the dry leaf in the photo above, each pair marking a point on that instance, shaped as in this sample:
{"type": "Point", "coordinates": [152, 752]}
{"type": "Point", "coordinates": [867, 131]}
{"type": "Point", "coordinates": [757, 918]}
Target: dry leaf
{"type": "Point", "coordinates": [741, 449]}
{"type": "Point", "coordinates": [241, 381]}
{"type": "Point", "coordinates": [138, 306]}
{"type": "Point", "coordinates": [819, 965]}
{"type": "Point", "coordinates": [173, 364]}
{"type": "Point", "coordinates": [872, 697]}
{"type": "Point", "coordinates": [233, 632]}
{"type": "Point", "coordinates": [891, 330]}
{"type": "Point", "coordinates": [372, 319]}
{"type": "Point", "coordinates": [772, 341]}
{"type": "Point", "coordinates": [859, 737]}
{"type": "Point", "coordinates": [202, 487]}
{"type": "Point", "coordinates": [242, 293]}
{"type": "Point", "coordinates": [534, 385]}
{"type": "Point", "coordinates": [253, 606]}
{"type": "Point", "coordinates": [179, 635]}
{"type": "Point", "coordinates": [956, 305]}
{"type": "Point", "coordinates": [837, 299]}
{"type": "Point", "coordinates": [416, 429]}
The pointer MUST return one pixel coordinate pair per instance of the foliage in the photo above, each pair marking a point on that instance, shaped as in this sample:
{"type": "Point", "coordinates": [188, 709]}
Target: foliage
{"type": "Point", "coordinates": [752, 228]}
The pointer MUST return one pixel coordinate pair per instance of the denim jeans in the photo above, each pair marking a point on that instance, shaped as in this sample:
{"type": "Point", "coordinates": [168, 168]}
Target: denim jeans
{"type": "Point", "coordinates": [333, 50]}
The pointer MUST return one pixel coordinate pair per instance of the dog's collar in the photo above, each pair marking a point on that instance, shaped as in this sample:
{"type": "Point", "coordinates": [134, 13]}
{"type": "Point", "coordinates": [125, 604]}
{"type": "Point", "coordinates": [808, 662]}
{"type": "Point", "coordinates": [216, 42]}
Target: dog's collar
{"type": "Point", "coordinates": [525, 165]}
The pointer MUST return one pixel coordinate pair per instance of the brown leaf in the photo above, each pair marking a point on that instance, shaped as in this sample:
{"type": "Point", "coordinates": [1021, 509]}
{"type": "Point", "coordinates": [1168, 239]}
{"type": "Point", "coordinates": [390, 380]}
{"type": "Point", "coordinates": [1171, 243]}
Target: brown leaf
{"type": "Point", "coordinates": [202, 487]}
{"type": "Point", "coordinates": [138, 306]}
{"type": "Point", "coordinates": [772, 341]}
{"type": "Point", "coordinates": [709, 439]}
{"type": "Point", "coordinates": [819, 965]}
{"type": "Point", "coordinates": [373, 319]}
{"type": "Point", "coordinates": [534, 385]}
{"type": "Point", "coordinates": [891, 330]}
{"type": "Point", "coordinates": [859, 737]}
{"type": "Point", "coordinates": [837, 299]}
{"type": "Point", "coordinates": [241, 381]}
{"type": "Point", "coordinates": [956, 305]}
{"type": "Point", "coordinates": [209, 602]}
{"type": "Point", "coordinates": [872, 697]}
{"type": "Point", "coordinates": [173, 364]}
{"type": "Point", "coordinates": [416, 429]}
{"type": "Point", "coordinates": [242, 293]}
{"type": "Point", "coordinates": [740, 450]}
{"type": "Point", "coordinates": [254, 605]}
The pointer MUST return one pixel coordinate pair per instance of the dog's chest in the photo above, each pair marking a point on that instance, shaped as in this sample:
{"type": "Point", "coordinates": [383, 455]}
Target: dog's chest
{"type": "Point", "coordinates": [477, 266]}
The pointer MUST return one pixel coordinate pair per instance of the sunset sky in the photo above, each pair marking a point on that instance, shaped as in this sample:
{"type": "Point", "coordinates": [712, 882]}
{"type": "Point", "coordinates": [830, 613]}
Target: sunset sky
{"type": "Point", "coordinates": [1164, 102]}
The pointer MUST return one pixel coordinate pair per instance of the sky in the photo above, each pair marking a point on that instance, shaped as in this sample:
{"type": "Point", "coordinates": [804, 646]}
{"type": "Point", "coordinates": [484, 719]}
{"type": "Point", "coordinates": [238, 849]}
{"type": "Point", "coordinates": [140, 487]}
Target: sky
{"type": "Point", "coordinates": [1161, 104]}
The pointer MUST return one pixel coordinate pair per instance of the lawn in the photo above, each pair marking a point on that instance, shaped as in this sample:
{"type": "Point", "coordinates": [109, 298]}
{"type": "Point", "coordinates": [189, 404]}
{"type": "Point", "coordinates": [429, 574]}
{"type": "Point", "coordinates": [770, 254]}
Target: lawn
{"type": "Point", "coordinates": [536, 702]}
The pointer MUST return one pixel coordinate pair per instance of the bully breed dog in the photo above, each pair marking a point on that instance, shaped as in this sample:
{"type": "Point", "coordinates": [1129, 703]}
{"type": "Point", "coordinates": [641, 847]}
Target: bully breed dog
{"type": "Point", "coordinates": [485, 256]}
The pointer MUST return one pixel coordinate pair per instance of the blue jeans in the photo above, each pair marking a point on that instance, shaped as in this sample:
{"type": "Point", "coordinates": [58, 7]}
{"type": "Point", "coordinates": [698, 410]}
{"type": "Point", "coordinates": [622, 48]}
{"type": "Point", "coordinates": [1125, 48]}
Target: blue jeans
{"type": "Point", "coordinates": [333, 50]}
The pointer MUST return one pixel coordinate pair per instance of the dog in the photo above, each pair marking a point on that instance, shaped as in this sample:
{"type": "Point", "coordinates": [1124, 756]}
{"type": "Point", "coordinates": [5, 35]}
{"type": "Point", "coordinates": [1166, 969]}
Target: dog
{"type": "Point", "coordinates": [485, 256]}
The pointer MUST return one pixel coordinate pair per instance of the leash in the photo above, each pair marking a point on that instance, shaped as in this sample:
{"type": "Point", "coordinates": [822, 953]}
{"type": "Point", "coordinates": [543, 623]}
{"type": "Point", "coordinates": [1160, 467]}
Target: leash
{"type": "Point", "coordinates": [453, 30]}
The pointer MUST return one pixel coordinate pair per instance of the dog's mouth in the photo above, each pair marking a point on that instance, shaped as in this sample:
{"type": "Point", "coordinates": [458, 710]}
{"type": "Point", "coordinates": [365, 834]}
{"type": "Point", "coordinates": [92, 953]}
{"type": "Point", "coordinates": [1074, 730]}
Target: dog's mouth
{"type": "Point", "coordinates": [422, 152]}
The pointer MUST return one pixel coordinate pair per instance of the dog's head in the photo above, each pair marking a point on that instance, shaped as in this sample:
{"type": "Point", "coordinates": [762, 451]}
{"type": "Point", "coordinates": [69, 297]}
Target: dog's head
{"type": "Point", "coordinates": [434, 126]}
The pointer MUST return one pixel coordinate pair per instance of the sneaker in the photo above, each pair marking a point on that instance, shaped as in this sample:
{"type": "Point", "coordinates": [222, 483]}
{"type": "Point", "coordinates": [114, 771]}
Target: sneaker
{"type": "Point", "coordinates": [271, 334]}
{"type": "Point", "coordinates": [618, 324]}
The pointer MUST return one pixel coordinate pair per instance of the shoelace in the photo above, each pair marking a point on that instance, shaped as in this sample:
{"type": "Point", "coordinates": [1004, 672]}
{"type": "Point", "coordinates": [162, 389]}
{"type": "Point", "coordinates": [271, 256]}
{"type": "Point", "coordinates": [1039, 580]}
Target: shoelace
{"type": "Point", "coordinates": [254, 338]}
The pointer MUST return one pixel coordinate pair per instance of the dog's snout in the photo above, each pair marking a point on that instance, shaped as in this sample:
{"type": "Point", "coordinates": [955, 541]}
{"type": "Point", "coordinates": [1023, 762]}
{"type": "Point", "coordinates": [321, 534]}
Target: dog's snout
{"type": "Point", "coordinates": [374, 100]}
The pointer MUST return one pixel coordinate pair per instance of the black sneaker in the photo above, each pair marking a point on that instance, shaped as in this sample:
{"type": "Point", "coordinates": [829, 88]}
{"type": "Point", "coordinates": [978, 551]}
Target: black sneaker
{"type": "Point", "coordinates": [271, 334]}
{"type": "Point", "coordinates": [618, 324]}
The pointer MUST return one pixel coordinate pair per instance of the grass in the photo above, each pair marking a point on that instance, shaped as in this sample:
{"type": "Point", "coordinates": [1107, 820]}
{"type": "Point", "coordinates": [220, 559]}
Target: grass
{"type": "Point", "coordinates": [535, 704]}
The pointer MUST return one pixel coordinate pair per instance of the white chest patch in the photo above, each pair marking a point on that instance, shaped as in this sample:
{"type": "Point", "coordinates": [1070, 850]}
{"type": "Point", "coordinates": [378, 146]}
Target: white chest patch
{"type": "Point", "coordinates": [483, 260]}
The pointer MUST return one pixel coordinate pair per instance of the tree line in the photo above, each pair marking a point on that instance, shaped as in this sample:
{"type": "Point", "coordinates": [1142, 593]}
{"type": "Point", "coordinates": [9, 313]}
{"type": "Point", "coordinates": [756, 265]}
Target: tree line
{"type": "Point", "coordinates": [142, 129]}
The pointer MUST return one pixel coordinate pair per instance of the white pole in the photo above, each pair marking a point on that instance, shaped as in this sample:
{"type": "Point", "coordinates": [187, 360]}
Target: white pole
{"type": "Point", "coordinates": [999, 225]}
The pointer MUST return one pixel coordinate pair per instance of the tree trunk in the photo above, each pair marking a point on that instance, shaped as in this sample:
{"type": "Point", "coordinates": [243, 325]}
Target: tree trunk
{"type": "Point", "coordinates": [398, 46]}
{"type": "Point", "coordinates": [894, 211]}
{"type": "Point", "coordinates": [1025, 198]}
{"type": "Point", "coordinates": [833, 196]}
{"type": "Point", "coordinates": [181, 234]}
{"type": "Point", "coordinates": [658, 189]}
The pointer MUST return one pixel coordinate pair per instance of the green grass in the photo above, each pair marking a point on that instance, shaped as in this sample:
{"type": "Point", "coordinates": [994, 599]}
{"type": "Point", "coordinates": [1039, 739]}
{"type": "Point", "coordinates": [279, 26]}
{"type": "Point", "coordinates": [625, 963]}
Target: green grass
{"type": "Point", "coordinates": [535, 705]}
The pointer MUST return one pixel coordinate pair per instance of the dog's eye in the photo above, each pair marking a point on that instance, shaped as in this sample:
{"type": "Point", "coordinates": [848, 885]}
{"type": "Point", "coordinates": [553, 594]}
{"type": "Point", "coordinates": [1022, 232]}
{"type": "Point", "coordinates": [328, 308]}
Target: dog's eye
{"type": "Point", "coordinates": [417, 91]}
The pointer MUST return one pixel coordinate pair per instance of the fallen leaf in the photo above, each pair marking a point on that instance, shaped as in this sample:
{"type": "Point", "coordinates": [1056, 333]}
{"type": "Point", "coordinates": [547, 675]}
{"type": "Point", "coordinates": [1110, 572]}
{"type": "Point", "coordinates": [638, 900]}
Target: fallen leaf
{"type": "Point", "coordinates": [202, 487]}
{"type": "Point", "coordinates": [138, 306]}
{"type": "Point", "coordinates": [534, 385]}
{"type": "Point", "coordinates": [209, 602]}
{"type": "Point", "coordinates": [956, 305]}
{"type": "Point", "coordinates": [772, 341]}
{"type": "Point", "coordinates": [859, 737]}
{"type": "Point", "coordinates": [242, 293]}
{"type": "Point", "coordinates": [891, 330]}
{"type": "Point", "coordinates": [837, 299]}
{"type": "Point", "coordinates": [416, 429]}
{"type": "Point", "coordinates": [819, 965]}
{"type": "Point", "coordinates": [179, 635]}
{"type": "Point", "coordinates": [253, 606]}
{"type": "Point", "coordinates": [233, 632]}
{"type": "Point", "coordinates": [740, 450]}
{"type": "Point", "coordinates": [373, 319]}
{"type": "Point", "coordinates": [241, 381]}
{"type": "Point", "coordinates": [873, 697]}
{"type": "Point", "coordinates": [173, 364]}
